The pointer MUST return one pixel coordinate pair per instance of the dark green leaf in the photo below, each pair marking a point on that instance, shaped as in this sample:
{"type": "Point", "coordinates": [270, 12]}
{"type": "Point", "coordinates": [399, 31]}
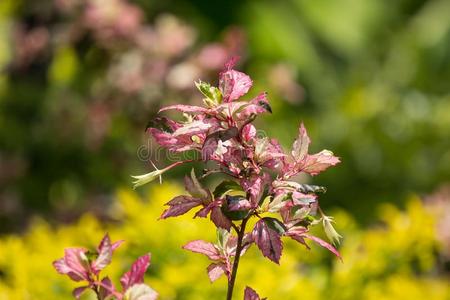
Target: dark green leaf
{"type": "Point", "coordinates": [226, 187]}
{"type": "Point", "coordinates": [234, 214]}
{"type": "Point", "coordinates": [275, 224]}
{"type": "Point", "coordinates": [307, 188]}
{"type": "Point", "coordinates": [265, 105]}
{"type": "Point", "coordinates": [306, 221]}
{"type": "Point", "coordinates": [159, 123]}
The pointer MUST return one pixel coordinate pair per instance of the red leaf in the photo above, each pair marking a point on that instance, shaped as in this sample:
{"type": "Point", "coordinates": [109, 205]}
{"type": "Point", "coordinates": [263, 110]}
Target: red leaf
{"type": "Point", "coordinates": [297, 234]}
{"type": "Point", "coordinates": [202, 213]}
{"type": "Point", "coordinates": [268, 241]}
{"type": "Point", "coordinates": [219, 219]}
{"type": "Point", "coordinates": [179, 206]}
{"type": "Point", "coordinates": [202, 247]}
{"type": "Point", "coordinates": [250, 294]}
{"type": "Point", "coordinates": [185, 108]}
{"type": "Point", "coordinates": [323, 244]}
{"type": "Point", "coordinates": [78, 291]}
{"type": "Point", "coordinates": [106, 288]}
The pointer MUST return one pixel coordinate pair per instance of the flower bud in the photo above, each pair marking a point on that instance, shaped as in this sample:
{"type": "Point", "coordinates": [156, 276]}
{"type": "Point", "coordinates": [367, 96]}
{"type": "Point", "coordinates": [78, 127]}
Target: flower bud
{"type": "Point", "coordinates": [331, 233]}
{"type": "Point", "coordinates": [149, 177]}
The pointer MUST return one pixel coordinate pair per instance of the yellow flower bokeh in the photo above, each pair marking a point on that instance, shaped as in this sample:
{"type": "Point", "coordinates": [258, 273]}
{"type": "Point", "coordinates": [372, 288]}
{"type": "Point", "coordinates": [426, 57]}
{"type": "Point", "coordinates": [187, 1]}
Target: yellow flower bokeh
{"type": "Point", "coordinates": [395, 260]}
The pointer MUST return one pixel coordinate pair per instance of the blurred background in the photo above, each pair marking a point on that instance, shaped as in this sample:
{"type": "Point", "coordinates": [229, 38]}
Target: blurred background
{"type": "Point", "coordinates": [80, 79]}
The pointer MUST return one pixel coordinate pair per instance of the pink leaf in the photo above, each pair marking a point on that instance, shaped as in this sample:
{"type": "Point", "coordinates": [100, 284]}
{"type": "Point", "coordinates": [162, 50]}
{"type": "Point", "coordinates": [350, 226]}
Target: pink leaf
{"type": "Point", "coordinates": [230, 247]}
{"type": "Point", "coordinates": [166, 139]}
{"type": "Point", "coordinates": [78, 291]}
{"type": "Point", "coordinates": [202, 247]}
{"type": "Point", "coordinates": [106, 288]}
{"type": "Point", "coordinates": [316, 163]}
{"type": "Point", "coordinates": [117, 244]}
{"type": "Point", "coordinates": [301, 144]}
{"type": "Point", "coordinates": [193, 128]}
{"type": "Point", "coordinates": [209, 147]}
{"type": "Point", "coordinates": [212, 141]}
{"type": "Point", "coordinates": [324, 244]}
{"type": "Point", "coordinates": [136, 273]}
{"type": "Point", "coordinates": [248, 132]}
{"type": "Point", "coordinates": [185, 108]}
{"type": "Point", "coordinates": [231, 62]}
{"type": "Point", "coordinates": [268, 152]}
{"type": "Point", "coordinates": [179, 206]}
{"type": "Point", "coordinates": [74, 264]}
{"type": "Point", "coordinates": [255, 188]}
{"type": "Point", "coordinates": [303, 162]}
{"type": "Point", "coordinates": [250, 294]}
{"type": "Point", "coordinates": [233, 84]}
{"type": "Point", "coordinates": [104, 255]}
{"type": "Point", "coordinates": [219, 219]}
{"type": "Point", "coordinates": [238, 203]}
{"type": "Point", "coordinates": [256, 106]}
{"type": "Point", "coordinates": [298, 234]}
{"type": "Point", "coordinates": [268, 241]}
{"type": "Point", "coordinates": [215, 271]}
{"type": "Point", "coordinates": [61, 266]}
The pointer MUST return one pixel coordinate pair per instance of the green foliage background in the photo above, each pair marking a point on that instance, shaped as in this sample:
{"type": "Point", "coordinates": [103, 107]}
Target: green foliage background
{"type": "Point", "coordinates": [370, 79]}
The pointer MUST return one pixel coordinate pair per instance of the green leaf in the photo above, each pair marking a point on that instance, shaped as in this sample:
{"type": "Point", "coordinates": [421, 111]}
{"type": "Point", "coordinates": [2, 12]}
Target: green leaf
{"type": "Point", "coordinates": [159, 123]}
{"type": "Point", "coordinates": [265, 204]}
{"type": "Point", "coordinates": [212, 94]}
{"type": "Point", "coordinates": [227, 187]}
{"type": "Point", "coordinates": [306, 221]}
{"type": "Point", "coordinates": [277, 203]}
{"type": "Point", "coordinates": [300, 212]}
{"type": "Point", "coordinates": [308, 188]}
{"type": "Point", "coordinates": [235, 214]}
{"type": "Point", "coordinates": [275, 224]}
{"type": "Point", "coordinates": [304, 188]}
{"type": "Point", "coordinates": [194, 187]}
{"type": "Point", "coordinates": [265, 105]}
{"type": "Point", "coordinates": [222, 237]}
